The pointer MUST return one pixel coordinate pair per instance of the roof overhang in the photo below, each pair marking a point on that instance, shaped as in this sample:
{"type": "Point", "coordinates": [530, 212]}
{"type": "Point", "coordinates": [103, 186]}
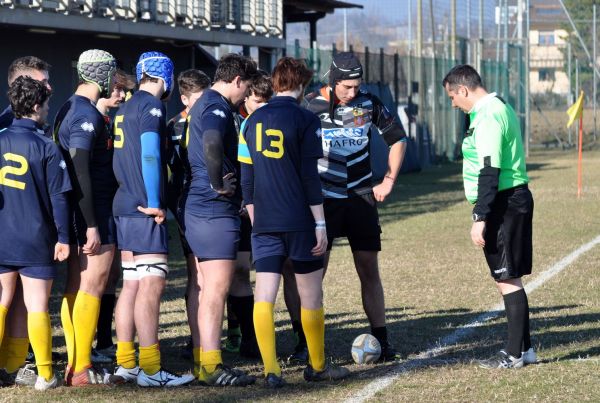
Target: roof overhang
{"type": "Point", "coordinates": [98, 25]}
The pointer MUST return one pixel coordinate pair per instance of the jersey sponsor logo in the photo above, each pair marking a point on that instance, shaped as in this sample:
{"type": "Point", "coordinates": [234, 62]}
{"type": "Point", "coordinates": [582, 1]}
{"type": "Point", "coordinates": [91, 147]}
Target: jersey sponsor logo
{"type": "Point", "coordinates": [343, 132]}
{"type": "Point", "coordinates": [87, 127]}
{"type": "Point", "coordinates": [219, 113]}
{"type": "Point", "coordinates": [156, 112]}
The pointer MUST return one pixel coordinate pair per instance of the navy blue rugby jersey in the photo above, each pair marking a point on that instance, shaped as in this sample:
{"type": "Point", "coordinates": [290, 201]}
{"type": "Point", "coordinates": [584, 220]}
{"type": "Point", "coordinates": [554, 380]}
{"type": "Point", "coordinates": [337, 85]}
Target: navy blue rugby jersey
{"type": "Point", "coordinates": [31, 170]}
{"type": "Point", "coordinates": [79, 124]}
{"type": "Point", "coordinates": [211, 111]}
{"type": "Point", "coordinates": [276, 140]}
{"type": "Point", "coordinates": [6, 117]}
{"type": "Point", "coordinates": [140, 114]}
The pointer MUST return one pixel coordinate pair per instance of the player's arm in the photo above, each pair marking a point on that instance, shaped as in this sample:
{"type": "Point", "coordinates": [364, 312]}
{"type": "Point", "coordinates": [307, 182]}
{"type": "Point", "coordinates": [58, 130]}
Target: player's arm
{"type": "Point", "coordinates": [83, 134]}
{"type": "Point", "coordinates": [58, 185]}
{"type": "Point", "coordinates": [215, 124]}
{"type": "Point", "coordinates": [151, 161]}
{"type": "Point", "coordinates": [312, 150]}
{"type": "Point", "coordinates": [151, 121]}
{"type": "Point", "coordinates": [395, 137]}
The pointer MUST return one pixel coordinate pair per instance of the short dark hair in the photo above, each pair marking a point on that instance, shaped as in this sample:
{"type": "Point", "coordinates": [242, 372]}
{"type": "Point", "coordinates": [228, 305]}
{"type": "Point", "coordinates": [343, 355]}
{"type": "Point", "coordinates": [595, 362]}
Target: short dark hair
{"type": "Point", "coordinates": [192, 80]}
{"type": "Point", "coordinates": [147, 79]}
{"type": "Point", "coordinates": [463, 74]}
{"type": "Point", "coordinates": [290, 73]}
{"type": "Point", "coordinates": [124, 80]}
{"type": "Point", "coordinates": [261, 86]}
{"type": "Point", "coordinates": [22, 64]}
{"type": "Point", "coordinates": [24, 94]}
{"type": "Point", "coordinates": [233, 65]}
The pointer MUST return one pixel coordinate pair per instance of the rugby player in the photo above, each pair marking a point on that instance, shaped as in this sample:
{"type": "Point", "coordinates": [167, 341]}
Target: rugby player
{"type": "Point", "coordinates": [14, 348]}
{"type": "Point", "coordinates": [240, 301]}
{"type": "Point", "coordinates": [191, 84]}
{"type": "Point", "coordinates": [211, 208]}
{"type": "Point", "coordinates": [139, 208]}
{"type": "Point", "coordinates": [86, 146]}
{"type": "Point", "coordinates": [282, 191]}
{"type": "Point", "coordinates": [496, 182]}
{"type": "Point", "coordinates": [34, 183]}
{"type": "Point", "coordinates": [350, 116]}
{"type": "Point", "coordinates": [105, 350]}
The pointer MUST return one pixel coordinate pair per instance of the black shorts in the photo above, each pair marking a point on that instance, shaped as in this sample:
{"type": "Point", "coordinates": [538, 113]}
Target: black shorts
{"type": "Point", "coordinates": [104, 220]}
{"type": "Point", "coordinates": [508, 234]}
{"type": "Point", "coordinates": [355, 218]}
{"type": "Point", "coordinates": [245, 234]}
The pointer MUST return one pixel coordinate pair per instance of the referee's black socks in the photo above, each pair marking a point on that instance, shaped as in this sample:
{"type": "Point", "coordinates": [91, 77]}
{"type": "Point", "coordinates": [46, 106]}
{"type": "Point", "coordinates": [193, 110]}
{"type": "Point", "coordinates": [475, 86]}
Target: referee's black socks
{"type": "Point", "coordinates": [517, 315]}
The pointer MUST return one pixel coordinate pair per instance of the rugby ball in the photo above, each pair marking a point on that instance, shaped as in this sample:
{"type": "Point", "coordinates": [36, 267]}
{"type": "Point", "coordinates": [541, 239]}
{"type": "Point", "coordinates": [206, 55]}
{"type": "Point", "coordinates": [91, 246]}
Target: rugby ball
{"type": "Point", "coordinates": [365, 349]}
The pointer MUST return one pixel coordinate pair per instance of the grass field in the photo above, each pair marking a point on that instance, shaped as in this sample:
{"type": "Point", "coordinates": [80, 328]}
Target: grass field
{"type": "Point", "coordinates": [435, 282]}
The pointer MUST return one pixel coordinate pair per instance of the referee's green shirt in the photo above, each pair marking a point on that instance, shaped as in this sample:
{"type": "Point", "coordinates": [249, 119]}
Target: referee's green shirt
{"type": "Point", "coordinates": [496, 134]}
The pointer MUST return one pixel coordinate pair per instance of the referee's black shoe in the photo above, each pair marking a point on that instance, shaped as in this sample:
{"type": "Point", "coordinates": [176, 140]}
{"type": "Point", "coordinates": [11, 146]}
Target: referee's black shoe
{"type": "Point", "coordinates": [388, 353]}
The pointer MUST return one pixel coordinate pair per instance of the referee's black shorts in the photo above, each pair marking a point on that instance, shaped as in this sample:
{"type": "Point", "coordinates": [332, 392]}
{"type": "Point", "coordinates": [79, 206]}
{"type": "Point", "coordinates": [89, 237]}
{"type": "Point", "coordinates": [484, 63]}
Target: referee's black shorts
{"type": "Point", "coordinates": [508, 234]}
{"type": "Point", "coordinates": [355, 218]}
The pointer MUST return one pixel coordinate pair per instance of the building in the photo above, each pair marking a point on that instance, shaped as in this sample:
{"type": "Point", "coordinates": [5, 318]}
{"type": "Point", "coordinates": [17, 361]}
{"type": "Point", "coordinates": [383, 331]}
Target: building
{"type": "Point", "coordinates": [59, 30]}
{"type": "Point", "coordinates": [547, 45]}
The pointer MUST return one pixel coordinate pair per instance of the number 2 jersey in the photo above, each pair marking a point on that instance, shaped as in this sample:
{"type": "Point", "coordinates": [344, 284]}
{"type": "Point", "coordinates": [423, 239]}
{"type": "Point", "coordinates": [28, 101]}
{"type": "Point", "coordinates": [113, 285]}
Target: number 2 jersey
{"type": "Point", "coordinates": [345, 168]}
{"type": "Point", "coordinates": [142, 113]}
{"type": "Point", "coordinates": [279, 145]}
{"type": "Point", "coordinates": [32, 170]}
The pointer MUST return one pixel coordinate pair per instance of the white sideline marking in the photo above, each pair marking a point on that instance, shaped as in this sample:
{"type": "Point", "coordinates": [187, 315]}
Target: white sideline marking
{"type": "Point", "coordinates": [427, 357]}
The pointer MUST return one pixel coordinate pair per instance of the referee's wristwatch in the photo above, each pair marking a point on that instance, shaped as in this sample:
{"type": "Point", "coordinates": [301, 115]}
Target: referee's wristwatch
{"type": "Point", "coordinates": [478, 217]}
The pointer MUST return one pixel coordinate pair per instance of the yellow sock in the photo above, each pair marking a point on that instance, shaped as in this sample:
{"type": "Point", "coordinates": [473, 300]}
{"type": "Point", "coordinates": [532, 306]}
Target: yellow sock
{"type": "Point", "coordinates": [196, 353]}
{"type": "Point", "coordinates": [265, 336]}
{"type": "Point", "coordinates": [16, 353]}
{"type": "Point", "coordinates": [40, 335]}
{"type": "Point", "coordinates": [313, 324]}
{"type": "Point", "coordinates": [85, 320]}
{"type": "Point", "coordinates": [4, 351]}
{"type": "Point", "coordinates": [3, 313]}
{"type": "Point", "coordinates": [150, 359]}
{"type": "Point", "coordinates": [209, 360]}
{"type": "Point", "coordinates": [126, 354]}
{"type": "Point", "coordinates": [66, 317]}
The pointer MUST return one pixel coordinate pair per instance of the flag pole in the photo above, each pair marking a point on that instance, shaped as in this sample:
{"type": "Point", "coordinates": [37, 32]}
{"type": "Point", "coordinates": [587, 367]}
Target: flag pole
{"type": "Point", "coordinates": [580, 156]}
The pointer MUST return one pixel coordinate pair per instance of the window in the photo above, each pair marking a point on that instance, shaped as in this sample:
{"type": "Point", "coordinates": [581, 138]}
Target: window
{"type": "Point", "coordinates": [546, 75]}
{"type": "Point", "coordinates": [546, 38]}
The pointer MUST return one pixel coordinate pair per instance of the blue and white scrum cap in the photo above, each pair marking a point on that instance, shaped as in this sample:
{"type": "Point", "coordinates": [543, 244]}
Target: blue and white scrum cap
{"type": "Point", "coordinates": [156, 65]}
{"type": "Point", "coordinates": [97, 67]}
{"type": "Point", "coordinates": [344, 66]}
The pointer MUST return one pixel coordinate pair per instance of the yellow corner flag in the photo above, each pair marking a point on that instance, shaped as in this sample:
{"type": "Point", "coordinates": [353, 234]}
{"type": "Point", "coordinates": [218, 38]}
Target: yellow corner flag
{"type": "Point", "coordinates": [575, 111]}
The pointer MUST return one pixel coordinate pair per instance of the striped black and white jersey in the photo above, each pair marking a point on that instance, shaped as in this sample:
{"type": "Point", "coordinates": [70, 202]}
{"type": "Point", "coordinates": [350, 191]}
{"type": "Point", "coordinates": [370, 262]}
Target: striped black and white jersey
{"type": "Point", "coordinates": [345, 168]}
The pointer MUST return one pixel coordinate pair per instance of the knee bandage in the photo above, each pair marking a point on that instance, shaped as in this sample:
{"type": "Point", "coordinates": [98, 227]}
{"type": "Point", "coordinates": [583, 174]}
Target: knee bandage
{"type": "Point", "coordinates": [151, 267]}
{"type": "Point", "coordinates": [129, 271]}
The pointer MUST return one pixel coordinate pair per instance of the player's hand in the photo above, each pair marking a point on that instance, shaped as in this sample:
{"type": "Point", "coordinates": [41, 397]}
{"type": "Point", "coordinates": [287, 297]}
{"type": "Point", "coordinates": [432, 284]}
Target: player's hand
{"type": "Point", "coordinates": [158, 213]}
{"type": "Point", "coordinates": [229, 185]}
{"type": "Point", "coordinates": [382, 190]}
{"type": "Point", "coordinates": [321, 246]}
{"type": "Point", "coordinates": [477, 231]}
{"type": "Point", "coordinates": [93, 243]}
{"type": "Point", "coordinates": [61, 251]}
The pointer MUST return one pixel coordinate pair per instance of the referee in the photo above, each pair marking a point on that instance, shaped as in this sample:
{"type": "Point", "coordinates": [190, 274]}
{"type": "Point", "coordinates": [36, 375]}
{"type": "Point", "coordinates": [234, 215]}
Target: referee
{"type": "Point", "coordinates": [495, 181]}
